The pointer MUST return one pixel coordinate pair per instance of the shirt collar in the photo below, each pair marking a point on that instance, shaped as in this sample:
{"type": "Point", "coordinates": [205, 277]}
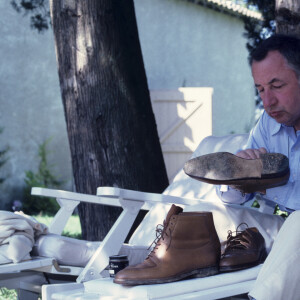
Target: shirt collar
{"type": "Point", "coordinates": [288, 129]}
{"type": "Point", "coordinates": [276, 127]}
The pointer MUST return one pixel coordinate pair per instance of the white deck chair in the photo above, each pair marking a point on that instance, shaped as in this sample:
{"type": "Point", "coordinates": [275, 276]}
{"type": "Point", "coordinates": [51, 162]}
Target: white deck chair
{"type": "Point", "coordinates": [93, 281]}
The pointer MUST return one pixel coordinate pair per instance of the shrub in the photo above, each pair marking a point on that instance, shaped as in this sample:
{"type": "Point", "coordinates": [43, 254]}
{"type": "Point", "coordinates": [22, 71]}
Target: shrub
{"type": "Point", "coordinates": [8, 294]}
{"type": "Point", "coordinates": [42, 178]}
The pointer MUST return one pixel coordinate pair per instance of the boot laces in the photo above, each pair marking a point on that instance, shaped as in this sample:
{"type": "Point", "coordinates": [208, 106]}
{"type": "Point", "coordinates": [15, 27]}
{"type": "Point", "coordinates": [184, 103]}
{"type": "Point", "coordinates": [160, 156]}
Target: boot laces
{"type": "Point", "coordinates": [237, 240]}
{"type": "Point", "coordinates": [160, 232]}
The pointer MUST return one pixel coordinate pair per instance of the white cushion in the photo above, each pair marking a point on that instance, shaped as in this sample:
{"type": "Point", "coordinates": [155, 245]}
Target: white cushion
{"type": "Point", "coordinates": [77, 253]}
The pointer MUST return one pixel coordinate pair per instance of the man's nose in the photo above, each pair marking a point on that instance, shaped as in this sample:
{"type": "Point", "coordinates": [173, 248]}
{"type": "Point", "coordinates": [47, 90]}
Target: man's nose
{"type": "Point", "coordinates": [268, 98]}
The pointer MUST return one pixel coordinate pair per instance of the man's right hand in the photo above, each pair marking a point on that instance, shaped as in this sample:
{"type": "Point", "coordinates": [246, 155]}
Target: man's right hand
{"type": "Point", "coordinates": [251, 153]}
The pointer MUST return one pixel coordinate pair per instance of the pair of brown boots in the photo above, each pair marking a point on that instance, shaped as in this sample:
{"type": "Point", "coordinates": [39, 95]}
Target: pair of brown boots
{"type": "Point", "coordinates": [188, 246]}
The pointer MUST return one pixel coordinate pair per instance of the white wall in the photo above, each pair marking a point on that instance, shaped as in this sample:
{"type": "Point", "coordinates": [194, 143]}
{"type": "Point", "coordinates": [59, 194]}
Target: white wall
{"type": "Point", "coordinates": [182, 44]}
{"type": "Point", "coordinates": [187, 44]}
{"type": "Point", "coordinates": [31, 108]}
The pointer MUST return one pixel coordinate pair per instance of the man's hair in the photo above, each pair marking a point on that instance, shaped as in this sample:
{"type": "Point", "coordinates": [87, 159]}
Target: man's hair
{"type": "Point", "coordinates": [288, 46]}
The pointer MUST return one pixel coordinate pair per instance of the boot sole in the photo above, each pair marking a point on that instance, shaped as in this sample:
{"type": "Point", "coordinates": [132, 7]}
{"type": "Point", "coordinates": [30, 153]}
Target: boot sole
{"type": "Point", "coordinates": [238, 267]}
{"type": "Point", "coordinates": [199, 273]}
{"type": "Point", "coordinates": [225, 168]}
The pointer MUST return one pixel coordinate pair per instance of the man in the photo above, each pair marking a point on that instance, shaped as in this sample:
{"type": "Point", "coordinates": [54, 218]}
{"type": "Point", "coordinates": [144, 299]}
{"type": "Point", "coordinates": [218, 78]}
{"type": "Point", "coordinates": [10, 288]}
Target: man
{"type": "Point", "coordinates": [275, 68]}
{"type": "Point", "coordinates": [275, 64]}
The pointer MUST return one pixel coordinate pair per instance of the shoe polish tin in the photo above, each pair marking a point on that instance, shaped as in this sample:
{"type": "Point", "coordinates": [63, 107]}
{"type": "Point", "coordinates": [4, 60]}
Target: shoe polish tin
{"type": "Point", "coordinates": [117, 263]}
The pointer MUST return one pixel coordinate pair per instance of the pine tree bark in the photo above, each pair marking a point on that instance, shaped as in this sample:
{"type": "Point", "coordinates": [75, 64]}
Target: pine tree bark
{"type": "Point", "coordinates": [288, 17]}
{"type": "Point", "coordinates": [111, 126]}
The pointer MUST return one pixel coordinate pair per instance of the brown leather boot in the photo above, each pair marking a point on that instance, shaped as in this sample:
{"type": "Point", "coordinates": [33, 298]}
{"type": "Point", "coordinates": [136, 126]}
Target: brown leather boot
{"type": "Point", "coordinates": [243, 250]}
{"type": "Point", "coordinates": [188, 245]}
{"type": "Point", "coordinates": [246, 175]}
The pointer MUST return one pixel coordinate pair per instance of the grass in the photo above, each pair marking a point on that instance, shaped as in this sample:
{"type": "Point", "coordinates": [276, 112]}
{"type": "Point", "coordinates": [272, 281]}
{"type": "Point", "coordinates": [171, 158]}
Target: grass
{"type": "Point", "coordinates": [72, 229]}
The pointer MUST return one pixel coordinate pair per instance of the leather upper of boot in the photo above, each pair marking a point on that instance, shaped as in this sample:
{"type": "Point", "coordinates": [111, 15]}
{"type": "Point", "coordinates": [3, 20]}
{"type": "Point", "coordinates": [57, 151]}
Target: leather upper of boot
{"type": "Point", "coordinates": [186, 241]}
{"type": "Point", "coordinates": [247, 247]}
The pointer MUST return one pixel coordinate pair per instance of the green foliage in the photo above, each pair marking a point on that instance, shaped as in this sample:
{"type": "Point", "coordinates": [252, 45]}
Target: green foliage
{"type": "Point", "coordinates": [258, 31]}
{"type": "Point", "coordinates": [281, 213]}
{"type": "Point", "coordinates": [8, 294]}
{"type": "Point", "coordinates": [39, 11]}
{"type": "Point", "coordinates": [277, 211]}
{"type": "Point", "coordinates": [255, 204]}
{"type": "Point", "coordinates": [42, 178]}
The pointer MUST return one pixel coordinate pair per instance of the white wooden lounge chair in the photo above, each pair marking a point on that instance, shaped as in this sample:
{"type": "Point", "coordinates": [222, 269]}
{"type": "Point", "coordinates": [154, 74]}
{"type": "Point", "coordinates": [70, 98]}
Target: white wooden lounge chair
{"type": "Point", "coordinates": [93, 281]}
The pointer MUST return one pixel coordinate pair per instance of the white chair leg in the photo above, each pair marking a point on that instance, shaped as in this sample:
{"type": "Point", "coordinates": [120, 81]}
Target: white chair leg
{"type": "Point", "coordinates": [27, 295]}
{"type": "Point", "coordinates": [113, 241]}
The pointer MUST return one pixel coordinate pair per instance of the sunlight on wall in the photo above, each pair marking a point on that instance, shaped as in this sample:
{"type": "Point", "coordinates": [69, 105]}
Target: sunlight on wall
{"type": "Point", "coordinates": [184, 118]}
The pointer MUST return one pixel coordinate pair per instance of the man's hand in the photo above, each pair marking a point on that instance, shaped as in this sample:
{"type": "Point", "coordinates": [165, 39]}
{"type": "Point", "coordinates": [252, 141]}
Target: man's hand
{"type": "Point", "coordinates": [250, 154]}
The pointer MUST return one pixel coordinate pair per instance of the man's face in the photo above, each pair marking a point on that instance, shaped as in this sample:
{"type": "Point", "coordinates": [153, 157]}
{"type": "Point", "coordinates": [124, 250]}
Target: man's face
{"type": "Point", "coordinates": [279, 89]}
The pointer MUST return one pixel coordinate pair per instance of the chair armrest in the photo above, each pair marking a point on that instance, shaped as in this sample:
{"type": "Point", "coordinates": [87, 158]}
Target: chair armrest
{"type": "Point", "coordinates": [65, 195]}
{"type": "Point", "coordinates": [68, 201]}
{"type": "Point", "coordinates": [148, 198]}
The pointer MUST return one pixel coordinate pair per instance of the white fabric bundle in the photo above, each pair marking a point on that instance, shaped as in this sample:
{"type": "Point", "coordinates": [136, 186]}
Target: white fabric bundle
{"type": "Point", "coordinates": [17, 235]}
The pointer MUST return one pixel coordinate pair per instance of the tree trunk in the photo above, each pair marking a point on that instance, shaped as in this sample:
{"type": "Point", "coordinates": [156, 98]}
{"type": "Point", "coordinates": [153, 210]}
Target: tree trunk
{"type": "Point", "coordinates": [288, 17]}
{"type": "Point", "coordinates": [111, 127]}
